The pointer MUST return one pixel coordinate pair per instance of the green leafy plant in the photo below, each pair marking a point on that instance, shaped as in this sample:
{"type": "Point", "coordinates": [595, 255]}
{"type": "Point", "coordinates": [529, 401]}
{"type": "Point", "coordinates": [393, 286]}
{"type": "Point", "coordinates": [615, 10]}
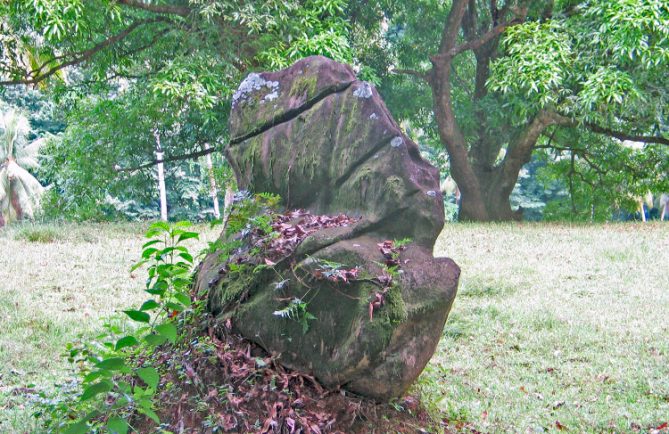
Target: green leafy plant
{"type": "Point", "coordinates": [118, 377]}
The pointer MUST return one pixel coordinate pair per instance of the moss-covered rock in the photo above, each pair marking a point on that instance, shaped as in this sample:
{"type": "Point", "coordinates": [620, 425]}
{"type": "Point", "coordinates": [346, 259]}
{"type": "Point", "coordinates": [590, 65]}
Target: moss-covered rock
{"type": "Point", "coordinates": [325, 142]}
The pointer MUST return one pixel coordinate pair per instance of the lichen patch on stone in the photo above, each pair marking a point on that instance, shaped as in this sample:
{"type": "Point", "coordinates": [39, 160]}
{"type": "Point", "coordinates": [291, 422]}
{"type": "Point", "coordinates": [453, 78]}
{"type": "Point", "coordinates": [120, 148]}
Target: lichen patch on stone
{"type": "Point", "coordinates": [397, 141]}
{"type": "Point", "coordinates": [363, 91]}
{"type": "Point", "coordinates": [253, 83]}
{"type": "Point", "coordinates": [271, 96]}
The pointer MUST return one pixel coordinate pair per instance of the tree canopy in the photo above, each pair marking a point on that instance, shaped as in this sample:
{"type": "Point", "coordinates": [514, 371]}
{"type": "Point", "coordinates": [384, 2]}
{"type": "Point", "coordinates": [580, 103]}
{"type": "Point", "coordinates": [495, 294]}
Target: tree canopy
{"type": "Point", "coordinates": [495, 83]}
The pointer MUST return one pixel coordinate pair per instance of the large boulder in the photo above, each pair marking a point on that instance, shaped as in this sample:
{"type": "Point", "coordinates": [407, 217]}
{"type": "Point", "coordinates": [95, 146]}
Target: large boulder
{"type": "Point", "coordinates": [366, 314]}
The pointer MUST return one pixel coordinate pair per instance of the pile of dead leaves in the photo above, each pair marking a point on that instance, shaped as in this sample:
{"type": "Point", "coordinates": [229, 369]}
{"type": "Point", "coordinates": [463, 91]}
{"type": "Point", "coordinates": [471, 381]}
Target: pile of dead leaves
{"type": "Point", "coordinates": [291, 228]}
{"type": "Point", "coordinates": [219, 382]}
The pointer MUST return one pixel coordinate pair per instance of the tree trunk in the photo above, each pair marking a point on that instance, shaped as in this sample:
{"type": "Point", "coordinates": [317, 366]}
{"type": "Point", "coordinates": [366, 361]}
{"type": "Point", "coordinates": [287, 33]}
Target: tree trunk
{"type": "Point", "coordinates": [14, 198]}
{"type": "Point", "coordinates": [485, 186]}
{"type": "Point", "coordinates": [161, 178]}
{"type": "Point", "coordinates": [493, 197]}
{"type": "Point", "coordinates": [213, 191]}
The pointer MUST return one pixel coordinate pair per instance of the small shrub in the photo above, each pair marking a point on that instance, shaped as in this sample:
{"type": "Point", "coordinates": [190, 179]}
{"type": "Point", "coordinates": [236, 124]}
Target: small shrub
{"type": "Point", "coordinates": [38, 234]}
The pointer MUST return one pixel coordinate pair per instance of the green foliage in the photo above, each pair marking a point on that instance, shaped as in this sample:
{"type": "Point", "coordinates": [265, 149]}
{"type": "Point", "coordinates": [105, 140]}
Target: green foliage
{"type": "Point", "coordinates": [250, 212]}
{"type": "Point", "coordinates": [536, 67]}
{"type": "Point", "coordinates": [595, 64]}
{"type": "Point", "coordinates": [604, 179]}
{"type": "Point", "coordinates": [165, 67]}
{"type": "Point", "coordinates": [93, 188]}
{"type": "Point", "coordinates": [118, 377]}
{"type": "Point", "coordinates": [297, 310]}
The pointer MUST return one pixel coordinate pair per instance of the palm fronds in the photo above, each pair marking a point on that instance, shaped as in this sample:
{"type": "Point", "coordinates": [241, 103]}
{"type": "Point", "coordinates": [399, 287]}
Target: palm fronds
{"type": "Point", "coordinates": [20, 192]}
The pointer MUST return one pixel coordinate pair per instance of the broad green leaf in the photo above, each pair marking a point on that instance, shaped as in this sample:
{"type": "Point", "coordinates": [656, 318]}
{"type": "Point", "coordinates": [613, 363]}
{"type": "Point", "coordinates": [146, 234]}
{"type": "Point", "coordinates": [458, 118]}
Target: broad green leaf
{"type": "Point", "coordinates": [169, 330]}
{"type": "Point", "coordinates": [187, 256]}
{"type": "Point", "coordinates": [187, 236]}
{"type": "Point", "coordinates": [150, 413]}
{"type": "Point", "coordinates": [116, 425]}
{"type": "Point", "coordinates": [80, 427]}
{"type": "Point", "coordinates": [111, 364]}
{"type": "Point", "coordinates": [126, 341]}
{"type": "Point", "coordinates": [151, 243]}
{"type": "Point", "coordinates": [95, 389]}
{"type": "Point", "coordinates": [138, 316]}
{"type": "Point", "coordinates": [149, 305]}
{"type": "Point", "coordinates": [149, 376]}
{"type": "Point", "coordinates": [156, 291]}
{"type": "Point", "coordinates": [137, 265]}
{"type": "Point", "coordinates": [183, 298]}
{"type": "Point", "coordinates": [175, 306]}
{"type": "Point", "coordinates": [146, 254]}
{"type": "Point", "coordinates": [159, 226]}
{"type": "Point", "coordinates": [155, 340]}
{"type": "Point", "coordinates": [93, 376]}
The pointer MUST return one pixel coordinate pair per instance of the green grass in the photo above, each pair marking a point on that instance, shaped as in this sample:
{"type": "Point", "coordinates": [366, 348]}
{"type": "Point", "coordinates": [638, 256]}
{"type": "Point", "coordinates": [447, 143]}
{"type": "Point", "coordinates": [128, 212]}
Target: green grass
{"type": "Point", "coordinates": [38, 233]}
{"type": "Point", "coordinates": [551, 322]}
{"type": "Point", "coordinates": [51, 292]}
{"type": "Point", "coordinates": [554, 323]}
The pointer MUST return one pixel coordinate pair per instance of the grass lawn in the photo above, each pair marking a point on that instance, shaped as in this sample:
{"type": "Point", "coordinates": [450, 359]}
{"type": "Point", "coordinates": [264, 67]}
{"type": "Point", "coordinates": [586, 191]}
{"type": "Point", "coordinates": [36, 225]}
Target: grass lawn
{"type": "Point", "coordinates": [554, 327]}
{"type": "Point", "coordinates": [58, 282]}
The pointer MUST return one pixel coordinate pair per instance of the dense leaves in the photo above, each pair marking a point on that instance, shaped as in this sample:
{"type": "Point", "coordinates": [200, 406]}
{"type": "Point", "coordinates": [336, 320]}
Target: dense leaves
{"type": "Point", "coordinates": [509, 78]}
{"type": "Point", "coordinates": [126, 72]}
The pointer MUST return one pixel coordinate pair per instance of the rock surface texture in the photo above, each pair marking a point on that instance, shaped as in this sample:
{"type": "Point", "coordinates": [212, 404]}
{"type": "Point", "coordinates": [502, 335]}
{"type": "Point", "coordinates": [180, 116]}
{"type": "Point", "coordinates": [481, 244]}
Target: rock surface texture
{"type": "Point", "coordinates": [326, 143]}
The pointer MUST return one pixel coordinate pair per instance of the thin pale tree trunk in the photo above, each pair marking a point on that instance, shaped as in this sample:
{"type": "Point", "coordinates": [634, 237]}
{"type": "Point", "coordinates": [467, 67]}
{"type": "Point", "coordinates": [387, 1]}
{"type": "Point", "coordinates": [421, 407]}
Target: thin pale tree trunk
{"type": "Point", "coordinates": [213, 191]}
{"type": "Point", "coordinates": [161, 178]}
{"type": "Point", "coordinates": [227, 203]}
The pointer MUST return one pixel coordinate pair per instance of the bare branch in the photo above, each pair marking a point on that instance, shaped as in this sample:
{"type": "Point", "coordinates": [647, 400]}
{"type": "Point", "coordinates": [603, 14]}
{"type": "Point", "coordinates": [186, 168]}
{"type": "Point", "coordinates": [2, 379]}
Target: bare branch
{"type": "Point", "coordinates": [167, 160]}
{"type": "Point", "coordinates": [82, 56]}
{"type": "Point", "coordinates": [156, 8]}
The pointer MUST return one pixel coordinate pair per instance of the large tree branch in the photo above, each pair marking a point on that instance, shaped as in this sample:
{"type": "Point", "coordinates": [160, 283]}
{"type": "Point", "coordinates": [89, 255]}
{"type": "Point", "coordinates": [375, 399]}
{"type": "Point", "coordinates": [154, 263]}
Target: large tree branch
{"type": "Point", "coordinates": [412, 72]}
{"type": "Point", "coordinates": [449, 36]}
{"type": "Point", "coordinates": [625, 136]}
{"type": "Point", "coordinates": [167, 160]}
{"type": "Point", "coordinates": [157, 8]}
{"type": "Point", "coordinates": [485, 38]}
{"type": "Point", "coordinates": [35, 76]}
{"type": "Point", "coordinates": [565, 121]}
{"type": "Point", "coordinates": [520, 150]}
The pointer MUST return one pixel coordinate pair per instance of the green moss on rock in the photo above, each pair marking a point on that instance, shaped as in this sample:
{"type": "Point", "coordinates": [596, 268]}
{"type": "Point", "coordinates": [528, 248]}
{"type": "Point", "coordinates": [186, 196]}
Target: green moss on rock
{"type": "Point", "coordinates": [304, 85]}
